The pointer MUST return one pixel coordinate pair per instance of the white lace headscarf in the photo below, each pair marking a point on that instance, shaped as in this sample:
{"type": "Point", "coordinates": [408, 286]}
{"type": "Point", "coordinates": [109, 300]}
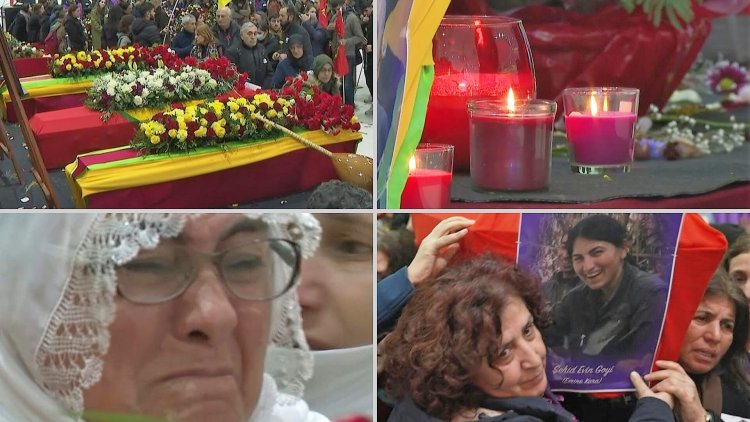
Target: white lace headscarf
{"type": "Point", "coordinates": [57, 288]}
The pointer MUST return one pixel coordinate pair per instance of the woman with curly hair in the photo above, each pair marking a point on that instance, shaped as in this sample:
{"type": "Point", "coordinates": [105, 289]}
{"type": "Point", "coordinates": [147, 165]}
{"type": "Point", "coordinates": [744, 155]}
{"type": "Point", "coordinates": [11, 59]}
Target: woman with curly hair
{"type": "Point", "coordinates": [467, 347]}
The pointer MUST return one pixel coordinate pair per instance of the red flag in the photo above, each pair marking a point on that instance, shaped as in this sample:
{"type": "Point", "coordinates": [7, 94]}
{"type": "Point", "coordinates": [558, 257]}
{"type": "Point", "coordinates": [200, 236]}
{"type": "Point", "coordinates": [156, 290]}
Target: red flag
{"type": "Point", "coordinates": [322, 16]}
{"type": "Point", "coordinates": [340, 65]}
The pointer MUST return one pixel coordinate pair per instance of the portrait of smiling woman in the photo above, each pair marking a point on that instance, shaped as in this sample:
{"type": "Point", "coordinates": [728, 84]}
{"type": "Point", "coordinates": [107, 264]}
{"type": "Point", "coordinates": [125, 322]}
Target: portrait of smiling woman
{"type": "Point", "coordinates": [175, 317]}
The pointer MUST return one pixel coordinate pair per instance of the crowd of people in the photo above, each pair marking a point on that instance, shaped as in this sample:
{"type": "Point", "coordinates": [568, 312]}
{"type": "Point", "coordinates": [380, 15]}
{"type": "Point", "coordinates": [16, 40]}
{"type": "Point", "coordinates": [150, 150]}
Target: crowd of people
{"type": "Point", "coordinates": [493, 329]}
{"type": "Point", "coordinates": [270, 40]}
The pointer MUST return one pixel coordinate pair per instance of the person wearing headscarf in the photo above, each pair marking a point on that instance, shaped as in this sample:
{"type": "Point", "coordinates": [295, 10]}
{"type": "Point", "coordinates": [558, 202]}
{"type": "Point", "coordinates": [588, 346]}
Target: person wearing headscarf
{"type": "Point", "coordinates": [250, 57]}
{"type": "Point", "coordinates": [293, 64]}
{"type": "Point", "coordinates": [168, 316]}
{"type": "Point", "coordinates": [323, 76]}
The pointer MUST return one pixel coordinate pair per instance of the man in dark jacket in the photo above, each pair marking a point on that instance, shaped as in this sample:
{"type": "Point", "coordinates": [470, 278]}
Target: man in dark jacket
{"type": "Point", "coordinates": [226, 29]}
{"type": "Point", "coordinates": [250, 57]}
{"type": "Point", "coordinates": [291, 25]}
{"type": "Point", "coordinates": [145, 32]}
{"type": "Point", "coordinates": [182, 43]}
{"type": "Point", "coordinates": [19, 27]}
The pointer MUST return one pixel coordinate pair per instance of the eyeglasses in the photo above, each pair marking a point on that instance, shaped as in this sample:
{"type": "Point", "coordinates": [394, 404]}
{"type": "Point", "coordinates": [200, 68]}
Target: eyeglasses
{"type": "Point", "coordinates": [259, 270]}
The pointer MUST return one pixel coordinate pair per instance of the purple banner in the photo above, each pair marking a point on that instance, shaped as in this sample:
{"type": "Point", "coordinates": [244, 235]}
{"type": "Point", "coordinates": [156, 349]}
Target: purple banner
{"type": "Point", "coordinates": [607, 296]}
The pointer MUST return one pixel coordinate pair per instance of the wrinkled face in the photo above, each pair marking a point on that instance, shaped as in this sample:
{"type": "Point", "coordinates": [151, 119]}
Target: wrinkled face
{"type": "Point", "coordinates": [224, 18]}
{"type": "Point", "coordinates": [709, 335]}
{"type": "Point", "coordinates": [275, 24]}
{"type": "Point", "coordinates": [597, 263]}
{"type": "Point", "coordinates": [190, 27]}
{"type": "Point", "coordinates": [250, 36]}
{"type": "Point", "coordinates": [739, 270]}
{"type": "Point", "coordinates": [335, 290]}
{"type": "Point", "coordinates": [196, 357]}
{"type": "Point", "coordinates": [518, 370]}
{"type": "Point", "coordinates": [296, 50]}
{"type": "Point", "coordinates": [325, 74]}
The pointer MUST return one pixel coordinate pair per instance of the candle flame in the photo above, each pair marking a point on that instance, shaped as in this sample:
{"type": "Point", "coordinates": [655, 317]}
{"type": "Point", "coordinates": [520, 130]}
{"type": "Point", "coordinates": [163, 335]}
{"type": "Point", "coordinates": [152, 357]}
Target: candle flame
{"type": "Point", "coordinates": [511, 100]}
{"type": "Point", "coordinates": [412, 164]}
{"type": "Point", "coordinates": [592, 105]}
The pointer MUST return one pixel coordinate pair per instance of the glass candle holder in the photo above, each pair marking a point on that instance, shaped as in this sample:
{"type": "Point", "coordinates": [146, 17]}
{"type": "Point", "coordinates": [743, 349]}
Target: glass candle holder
{"type": "Point", "coordinates": [475, 57]}
{"type": "Point", "coordinates": [600, 124]}
{"type": "Point", "coordinates": [430, 174]}
{"type": "Point", "coordinates": [511, 144]}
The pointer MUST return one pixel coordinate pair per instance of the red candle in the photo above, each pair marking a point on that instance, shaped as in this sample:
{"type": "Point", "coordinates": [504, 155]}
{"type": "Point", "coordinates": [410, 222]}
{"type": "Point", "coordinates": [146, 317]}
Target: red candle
{"type": "Point", "coordinates": [427, 188]}
{"type": "Point", "coordinates": [447, 122]}
{"type": "Point", "coordinates": [511, 145]}
{"type": "Point", "coordinates": [602, 139]}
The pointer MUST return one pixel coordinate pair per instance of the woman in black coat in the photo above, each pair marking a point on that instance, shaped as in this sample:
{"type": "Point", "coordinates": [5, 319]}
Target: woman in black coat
{"type": "Point", "coordinates": [74, 29]}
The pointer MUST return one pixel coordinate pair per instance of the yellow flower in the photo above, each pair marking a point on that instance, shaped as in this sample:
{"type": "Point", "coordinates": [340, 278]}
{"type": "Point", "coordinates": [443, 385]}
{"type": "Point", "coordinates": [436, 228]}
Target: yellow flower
{"type": "Point", "coordinates": [241, 101]}
{"type": "Point", "coordinates": [182, 135]}
{"type": "Point", "coordinates": [220, 132]}
{"type": "Point", "coordinates": [271, 114]}
{"type": "Point", "coordinates": [354, 120]}
{"type": "Point", "coordinates": [68, 67]}
{"type": "Point", "coordinates": [108, 65]}
{"type": "Point", "coordinates": [251, 108]}
{"type": "Point", "coordinates": [201, 132]}
{"type": "Point", "coordinates": [72, 59]}
{"type": "Point", "coordinates": [204, 122]}
{"type": "Point", "coordinates": [155, 139]}
{"type": "Point", "coordinates": [172, 133]}
{"type": "Point", "coordinates": [181, 123]}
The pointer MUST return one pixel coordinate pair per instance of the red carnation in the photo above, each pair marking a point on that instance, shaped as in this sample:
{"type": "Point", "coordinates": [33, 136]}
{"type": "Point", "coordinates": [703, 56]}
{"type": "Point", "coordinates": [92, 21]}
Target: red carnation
{"type": "Point", "coordinates": [210, 117]}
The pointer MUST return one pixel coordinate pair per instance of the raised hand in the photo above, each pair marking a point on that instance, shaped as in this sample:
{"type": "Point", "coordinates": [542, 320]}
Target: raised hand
{"type": "Point", "coordinates": [438, 248]}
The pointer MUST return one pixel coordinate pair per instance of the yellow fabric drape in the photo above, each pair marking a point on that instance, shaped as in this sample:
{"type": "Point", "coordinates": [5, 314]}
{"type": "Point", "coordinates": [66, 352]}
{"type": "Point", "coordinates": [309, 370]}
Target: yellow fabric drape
{"type": "Point", "coordinates": [141, 171]}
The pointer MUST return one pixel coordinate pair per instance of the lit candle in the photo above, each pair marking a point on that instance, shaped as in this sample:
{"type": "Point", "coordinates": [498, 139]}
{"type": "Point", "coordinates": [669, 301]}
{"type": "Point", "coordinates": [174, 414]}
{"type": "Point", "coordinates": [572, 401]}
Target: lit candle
{"type": "Point", "coordinates": [430, 174]}
{"type": "Point", "coordinates": [511, 143]}
{"type": "Point", "coordinates": [600, 141]}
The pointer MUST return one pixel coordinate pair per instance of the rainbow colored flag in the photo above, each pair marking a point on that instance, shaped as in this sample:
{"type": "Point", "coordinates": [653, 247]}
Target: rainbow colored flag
{"type": "Point", "coordinates": [405, 74]}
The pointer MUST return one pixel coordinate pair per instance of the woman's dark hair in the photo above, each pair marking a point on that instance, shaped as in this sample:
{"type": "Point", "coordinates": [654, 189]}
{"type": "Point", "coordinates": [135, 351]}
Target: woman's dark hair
{"type": "Point", "coordinates": [72, 9]}
{"type": "Point", "coordinates": [449, 327]}
{"type": "Point", "coordinates": [125, 24]}
{"type": "Point", "coordinates": [597, 227]}
{"type": "Point", "coordinates": [733, 366]}
{"type": "Point", "coordinates": [738, 247]}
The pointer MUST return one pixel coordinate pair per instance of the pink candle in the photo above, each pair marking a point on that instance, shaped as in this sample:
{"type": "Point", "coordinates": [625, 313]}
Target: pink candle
{"type": "Point", "coordinates": [602, 139]}
{"type": "Point", "coordinates": [427, 188]}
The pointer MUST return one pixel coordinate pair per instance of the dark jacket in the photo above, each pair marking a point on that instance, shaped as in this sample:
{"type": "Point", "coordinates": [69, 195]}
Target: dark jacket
{"type": "Point", "coordinates": [318, 37]}
{"type": "Point", "coordinates": [252, 60]}
{"type": "Point", "coordinates": [182, 43]}
{"type": "Point", "coordinates": [229, 38]}
{"type": "Point", "coordinates": [271, 44]}
{"type": "Point", "coordinates": [34, 28]}
{"type": "Point", "coordinates": [284, 70]}
{"type": "Point", "coordinates": [19, 27]}
{"type": "Point", "coordinates": [394, 292]}
{"type": "Point", "coordinates": [74, 29]}
{"type": "Point", "coordinates": [146, 33]}
{"type": "Point", "coordinates": [532, 409]}
{"type": "Point", "coordinates": [627, 325]}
